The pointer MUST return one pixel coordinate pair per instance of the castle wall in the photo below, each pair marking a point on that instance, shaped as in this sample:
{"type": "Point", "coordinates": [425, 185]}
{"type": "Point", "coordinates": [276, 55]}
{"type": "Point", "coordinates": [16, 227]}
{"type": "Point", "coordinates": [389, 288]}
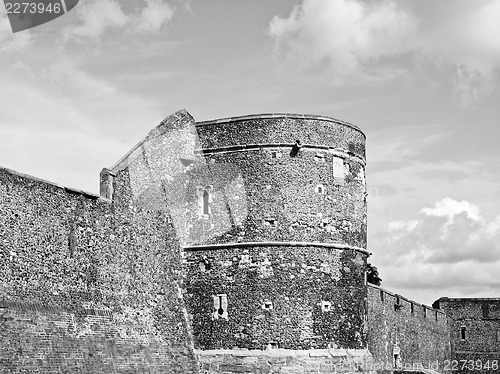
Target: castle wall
{"type": "Point", "coordinates": [296, 297]}
{"type": "Point", "coordinates": [475, 333]}
{"type": "Point", "coordinates": [86, 284]}
{"type": "Point", "coordinates": [419, 333]}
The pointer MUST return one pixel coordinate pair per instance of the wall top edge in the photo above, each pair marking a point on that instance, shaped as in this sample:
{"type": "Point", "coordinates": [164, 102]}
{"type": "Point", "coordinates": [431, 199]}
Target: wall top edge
{"type": "Point", "coordinates": [272, 244]}
{"type": "Point", "coordinates": [473, 299]}
{"type": "Point", "coordinates": [405, 298]}
{"type": "Point", "coordinates": [69, 190]}
{"type": "Point", "coordinates": [243, 352]}
{"type": "Point", "coordinates": [277, 116]}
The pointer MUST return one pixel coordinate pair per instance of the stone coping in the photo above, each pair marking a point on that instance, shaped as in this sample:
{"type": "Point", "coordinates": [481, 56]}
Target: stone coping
{"type": "Point", "coordinates": [311, 147]}
{"type": "Point", "coordinates": [406, 299]}
{"type": "Point", "coordinates": [202, 247]}
{"type": "Point", "coordinates": [284, 352]}
{"type": "Point", "coordinates": [278, 116]}
{"type": "Point", "coordinates": [478, 299]}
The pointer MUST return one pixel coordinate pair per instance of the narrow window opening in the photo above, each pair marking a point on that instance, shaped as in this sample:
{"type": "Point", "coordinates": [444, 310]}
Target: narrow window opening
{"type": "Point", "coordinates": [381, 295]}
{"type": "Point", "coordinates": [267, 305]}
{"type": "Point", "coordinates": [205, 202]}
{"type": "Point", "coordinates": [220, 311]}
{"type": "Point", "coordinates": [411, 307]}
{"type": "Point", "coordinates": [397, 305]}
{"type": "Point", "coordinates": [274, 154]}
{"type": "Point", "coordinates": [220, 306]}
{"type": "Point", "coordinates": [320, 189]}
{"type": "Point", "coordinates": [498, 335]}
{"type": "Point", "coordinates": [425, 312]}
{"type": "Point", "coordinates": [463, 333]}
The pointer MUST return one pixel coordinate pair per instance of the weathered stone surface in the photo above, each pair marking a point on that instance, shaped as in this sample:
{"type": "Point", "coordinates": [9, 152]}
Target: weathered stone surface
{"type": "Point", "coordinates": [286, 361]}
{"type": "Point", "coordinates": [87, 284]}
{"type": "Point", "coordinates": [420, 333]}
{"type": "Point", "coordinates": [475, 333]}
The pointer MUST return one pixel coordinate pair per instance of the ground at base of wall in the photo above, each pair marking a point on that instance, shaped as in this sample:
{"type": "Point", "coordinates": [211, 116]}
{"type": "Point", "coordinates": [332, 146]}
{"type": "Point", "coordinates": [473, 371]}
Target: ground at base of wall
{"type": "Point", "coordinates": [283, 361]}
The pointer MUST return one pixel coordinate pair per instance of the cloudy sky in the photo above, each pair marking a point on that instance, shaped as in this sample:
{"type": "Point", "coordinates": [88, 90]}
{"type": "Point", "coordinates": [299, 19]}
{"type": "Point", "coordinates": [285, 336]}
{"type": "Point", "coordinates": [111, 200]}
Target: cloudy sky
{"type": "Point", "coordinates": [421, 78]}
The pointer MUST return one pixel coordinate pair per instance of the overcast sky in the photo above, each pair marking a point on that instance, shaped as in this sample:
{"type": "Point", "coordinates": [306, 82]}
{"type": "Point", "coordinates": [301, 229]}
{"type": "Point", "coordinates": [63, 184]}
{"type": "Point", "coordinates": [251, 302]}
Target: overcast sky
{"type": "Point", "coordinates": [421, 78]}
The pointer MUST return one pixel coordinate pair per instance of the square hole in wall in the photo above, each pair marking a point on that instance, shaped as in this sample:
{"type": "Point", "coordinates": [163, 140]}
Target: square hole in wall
{"type": "Point", "coordinates": [326, 306]}
{"type": "Point", "coordinates": [271, 222]}
{"type": "Point", "coordinates": [267, 305]}
{"type": "Point", "coordinates": [276, 154]}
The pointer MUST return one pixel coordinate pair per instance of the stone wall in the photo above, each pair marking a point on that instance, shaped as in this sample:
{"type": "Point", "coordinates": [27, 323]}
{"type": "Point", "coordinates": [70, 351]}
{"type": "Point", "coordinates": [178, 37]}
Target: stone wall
{"type": "Point", "coordinates": [475, 333]}
{"type": "Point", "coordinates": [281, 361]}
{"type": "Point", "coordinates": [418, 333]}
{"type": "Point", "coordinates": [262, 190]}
{"type": "Point", "coordinates": [296, 297]}
{"type": "Point", "coordinates": [86, 285]}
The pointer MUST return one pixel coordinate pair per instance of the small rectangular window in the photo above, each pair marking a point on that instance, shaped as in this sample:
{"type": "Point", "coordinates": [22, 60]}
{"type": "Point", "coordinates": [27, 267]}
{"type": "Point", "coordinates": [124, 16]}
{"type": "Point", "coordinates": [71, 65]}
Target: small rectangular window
{"type": "Point", "coordinates": [381, 295]}
{"type": "Point", "coordinates": [204, 201]}
{"type": "Point", "coordinates": [339, 171]}
{"type": "Point", "coordinates": [463, 333]}
{"type": "Point", "coordinates": [326, 306]}
{"type": "Point", "coordinates": [411, 307]}
{"type": "Point", "coordinates": [320, 189]}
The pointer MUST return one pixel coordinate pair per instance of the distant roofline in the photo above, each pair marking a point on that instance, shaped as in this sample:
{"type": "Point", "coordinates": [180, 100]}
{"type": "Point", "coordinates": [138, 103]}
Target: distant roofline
{"type": "Point", "coordinates": [277, 115]}
{"type": "Point", "coordinates": [468, 299]}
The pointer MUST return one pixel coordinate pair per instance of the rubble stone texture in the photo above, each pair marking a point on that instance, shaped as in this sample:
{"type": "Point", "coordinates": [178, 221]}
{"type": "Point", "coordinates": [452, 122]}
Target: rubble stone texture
{"type": "Point", "coordinates": [233, 245]}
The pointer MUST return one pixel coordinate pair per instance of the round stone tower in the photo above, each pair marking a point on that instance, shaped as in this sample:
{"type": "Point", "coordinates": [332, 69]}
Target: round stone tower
{"type": "Point", "coordinates": [276, 219]}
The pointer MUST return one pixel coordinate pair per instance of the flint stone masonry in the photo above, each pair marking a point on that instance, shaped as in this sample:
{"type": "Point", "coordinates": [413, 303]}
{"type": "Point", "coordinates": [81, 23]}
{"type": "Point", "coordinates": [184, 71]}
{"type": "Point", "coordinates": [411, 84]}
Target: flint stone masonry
{"type": "Point", "coordinates": [420, 333]}
{"type": "Point", "coordinates": [481, 319]}
{"type": "Point", "coordinates": [243, 238]}
{"type": "Point", "coordinates": [295, 279]}
{"type": "Point", "coordinates": [86, 285]}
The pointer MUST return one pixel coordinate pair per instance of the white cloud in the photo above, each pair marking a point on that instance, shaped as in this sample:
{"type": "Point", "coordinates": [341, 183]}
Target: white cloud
{"type": "Point", "coordinates": [356, 39]}
{"type": "Point", "coordinates": [99, 16]}
{"type": "Point", "coordinates": [449, 208]}
{"type": "Point", "coordinates": [447, 247]}
{"type": "Point", "coordinates": [345, 35]}
{"type": "Point", "coordinates": [154, 16]}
